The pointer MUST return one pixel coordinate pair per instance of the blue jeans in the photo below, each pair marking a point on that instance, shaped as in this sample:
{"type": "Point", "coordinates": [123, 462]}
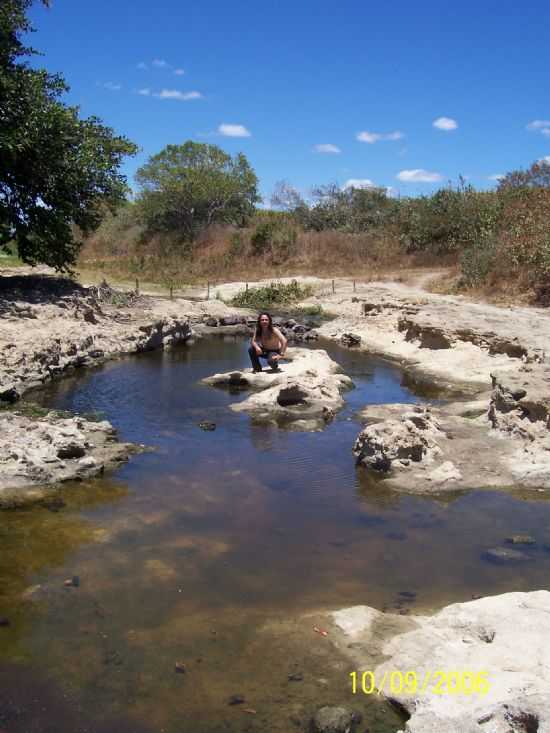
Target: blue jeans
{"type": "Point", "coordinates": [266, 354]}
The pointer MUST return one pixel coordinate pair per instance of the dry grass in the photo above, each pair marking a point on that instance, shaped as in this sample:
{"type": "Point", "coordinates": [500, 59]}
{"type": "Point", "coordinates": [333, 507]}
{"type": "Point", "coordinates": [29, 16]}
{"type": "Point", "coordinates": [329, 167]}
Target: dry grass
{"type": "Point", "coordinates": [216, 259]}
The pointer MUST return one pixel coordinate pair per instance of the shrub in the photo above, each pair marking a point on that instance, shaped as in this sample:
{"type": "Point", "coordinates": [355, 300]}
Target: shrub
{"type": "Point", "coordinates": [275, 236]}
{"type": "Point", "coordinates": [276, 293]}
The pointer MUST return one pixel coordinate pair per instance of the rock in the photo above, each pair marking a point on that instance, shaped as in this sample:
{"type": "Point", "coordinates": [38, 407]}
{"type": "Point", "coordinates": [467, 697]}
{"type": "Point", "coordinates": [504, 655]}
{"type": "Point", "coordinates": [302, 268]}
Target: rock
{"type": "Point", "coordinates": [303, 394]}
{"type": "Point", "coordinates": [10, 395]}
{"type": "Point", "coordinates": [292, 395]}
{"type": "Point", "coordinates": [503, 556]}
{"type": "Point", "coordinates": [4, 621]}
{"type": "Point", "coordinates": [296, 677]}
{"type": "Point", "coordinates": [71, 450]}
{"type": "Point", "coordinates": [499, 635]}
{"type": "Point", "coordinates": [350, 339]}
{"type": "Point", "coordinates": [73, 582]}
{"type": "Point", "coordinates": [230, 321]}
{"type": "Point", "coordinates": [206, 425]}
{"type": "Point", "coordinates": [179, 667]}
{"type": "Point", "coordinates": [236, 700]}
{"type": "Point", "coordinates": [521, 539]}
{"type": "Point", "coordinates": [42, 451]}
{"type": "Point", "coordinates": [212, 322]}
{"type": "Point", "coordinates": [335, 720]}
{"type": "Point", "coordinates": [410, 438]}
{"type": "Point", "coordinates": [290, 323]}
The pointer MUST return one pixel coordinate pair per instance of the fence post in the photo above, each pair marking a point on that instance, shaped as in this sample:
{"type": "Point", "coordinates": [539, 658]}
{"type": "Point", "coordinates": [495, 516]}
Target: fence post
{"type": "Point", "coordinates": [137, 286]}
{"type": "Point", "coordinates": [208, 291]}
{"type": "Point", "coordinates": [171, 292]}
{"type": "Point", "coordinates": [247, 287]}
{"type": "Point", "coordinates": [354, 286]}
{"type": "Point", "coordinates": [333, 286]}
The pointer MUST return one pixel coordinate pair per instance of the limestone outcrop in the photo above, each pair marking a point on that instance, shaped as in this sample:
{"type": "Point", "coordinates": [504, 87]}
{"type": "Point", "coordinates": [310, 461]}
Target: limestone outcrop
{"type": "Point", "coordinates": [304, 394]}
{"type": "Point", "coordinates": [500, 637]}
{"type": "Point", "coordinates": [35, 452]}
{"type": "Point", "coordinates": [51, 326]}
{"type": "Point", "coordinates": [501, 440]}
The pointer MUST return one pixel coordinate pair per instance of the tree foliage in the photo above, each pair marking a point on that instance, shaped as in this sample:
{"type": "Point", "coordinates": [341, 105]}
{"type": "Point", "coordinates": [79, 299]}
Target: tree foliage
{"type": "Point", "coordinates": [187, 187]}
{"type": "Point", "coordinates": [537, 176]}
{"type": "Point", "coordinates": [56, 169]}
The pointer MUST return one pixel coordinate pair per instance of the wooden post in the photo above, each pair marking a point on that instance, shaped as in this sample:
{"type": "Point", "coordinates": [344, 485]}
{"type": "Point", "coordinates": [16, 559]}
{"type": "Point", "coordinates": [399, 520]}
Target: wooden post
{"type": "Point", "coordinates": [137, 286]}
{"type": "Point", "coordinates": [247, 287]}
{"type": "Point", "coordinates": [171, 292]}
{"type": "Point", "coordinates": [208, 291]}
{"type": "Point", "coordinates": [354, 286]}
{"type": "Point", "coordinates": [333, 286]}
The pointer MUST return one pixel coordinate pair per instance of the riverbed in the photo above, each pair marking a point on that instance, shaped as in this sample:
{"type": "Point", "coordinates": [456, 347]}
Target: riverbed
{"type": "Point", "coordinates": [205, 551]}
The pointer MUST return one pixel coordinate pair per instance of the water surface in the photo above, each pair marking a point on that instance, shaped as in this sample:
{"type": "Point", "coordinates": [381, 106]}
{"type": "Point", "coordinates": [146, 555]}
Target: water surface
{"type": "Point", "coordinates": [208, 549]}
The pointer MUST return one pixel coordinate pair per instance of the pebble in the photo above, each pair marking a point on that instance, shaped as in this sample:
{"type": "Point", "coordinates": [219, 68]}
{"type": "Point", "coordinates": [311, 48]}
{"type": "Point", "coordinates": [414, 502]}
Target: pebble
{"type": "Point", "coordinates": [295, 677]}
{"type": "Point", "coordinates": [180, 667]}
{"type": "Point", "coordinates": [4, 621]}
{"type": "Point", "coordinates": [236, 700]}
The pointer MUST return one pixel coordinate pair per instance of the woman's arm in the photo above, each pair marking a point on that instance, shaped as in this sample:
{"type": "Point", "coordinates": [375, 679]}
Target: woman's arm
{"type": "Point", "coordinates": [255, 345]}
{"type": "Point", "coordinates": [282, 340]}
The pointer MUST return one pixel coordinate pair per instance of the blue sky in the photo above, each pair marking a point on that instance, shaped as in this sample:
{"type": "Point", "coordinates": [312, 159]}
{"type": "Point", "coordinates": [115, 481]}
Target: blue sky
{"type": "Point", "coordinates": [404, 95]}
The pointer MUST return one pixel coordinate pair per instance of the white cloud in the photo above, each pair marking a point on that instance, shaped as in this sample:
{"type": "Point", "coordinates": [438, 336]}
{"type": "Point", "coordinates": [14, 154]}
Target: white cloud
{"type": "Point", "coordinates": [542, 126]}
{"type": "Point", "coordinates": [142, 65]}
{"type": "Point", "coordinates": [327, 148]}
{"type": "Point", "coordinates": [373, 137]}
{"type": "Point", "coordinates": [160, 63]}
{"type": "Point", "coordinates": [445, 123]}
{"type": "Point", "coordinates": [538, 124]}
{"type": "Point", "coordinates": [418, 175]}
{"type": "Point", "coordinates": [176, 94]}
{"type": "Point", "coordinates": [179, 72]}
{"type": "Point", "coordinates": [233, 130]}
{"type": "Point", "coordinates": [357, 183]}
{"type": "Point", "coordinates": [112, 86]}
{"type": "Point", "coordinates": [496, 177]}
{"type": "Point", "coordinates": [144, 92]}
{"type": "Point", "coordinates": [546, 159]}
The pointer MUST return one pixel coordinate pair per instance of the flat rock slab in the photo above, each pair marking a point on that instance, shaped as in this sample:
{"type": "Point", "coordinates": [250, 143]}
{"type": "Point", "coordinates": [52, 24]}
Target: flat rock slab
{"type": "Point", "coordinates": [502, 636]}
{"type": "Point", "coordinates": [305, 393]}
{"type": "Point", "coordinates": [35, 453]}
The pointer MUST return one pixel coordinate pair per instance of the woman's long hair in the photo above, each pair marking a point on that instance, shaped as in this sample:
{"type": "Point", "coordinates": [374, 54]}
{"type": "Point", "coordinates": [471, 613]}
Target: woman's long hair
{"type": "Point", "coordinates": [258, 331]}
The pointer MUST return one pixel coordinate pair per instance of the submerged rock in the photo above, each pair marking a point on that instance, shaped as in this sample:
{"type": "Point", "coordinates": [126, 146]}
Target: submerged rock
{"type": "Point", "coordinates": [503, 556]}
{"type": "Point", "coordinates": [330, 719]}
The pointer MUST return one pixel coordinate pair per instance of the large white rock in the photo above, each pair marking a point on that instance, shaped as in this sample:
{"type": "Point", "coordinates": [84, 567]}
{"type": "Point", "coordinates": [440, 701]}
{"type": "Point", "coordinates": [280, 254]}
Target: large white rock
{"type": "Point", "coordinates": [504, 636]}
{"type": "Point", "coordinates": [305, 392]}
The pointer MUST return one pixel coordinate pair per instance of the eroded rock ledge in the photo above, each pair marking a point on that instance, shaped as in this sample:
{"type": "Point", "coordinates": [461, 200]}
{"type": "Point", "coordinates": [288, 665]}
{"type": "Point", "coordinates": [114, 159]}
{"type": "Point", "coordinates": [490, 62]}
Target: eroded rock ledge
{"type": "Point", "coordinates": [35, 452]}
{"type": "Point", "coordinates": [500, 440]}
{"type": "Point", "coordinates": [305, 393]}
{"type": "Point", "coordinates": [50, 326]}
{"type": "Point", "coordinates": [500, 635]}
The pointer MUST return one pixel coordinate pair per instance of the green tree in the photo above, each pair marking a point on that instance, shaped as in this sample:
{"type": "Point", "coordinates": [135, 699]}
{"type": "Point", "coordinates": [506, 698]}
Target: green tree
{"type": "Point", "coordinates": [56, 169]}
{"type": "Point", "coordinates": [185, 188]}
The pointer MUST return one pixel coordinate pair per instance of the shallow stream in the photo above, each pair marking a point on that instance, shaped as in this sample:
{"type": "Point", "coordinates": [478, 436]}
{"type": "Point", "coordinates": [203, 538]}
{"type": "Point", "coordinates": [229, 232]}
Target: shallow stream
{"type": "Point", "coordinates": [209, 550]}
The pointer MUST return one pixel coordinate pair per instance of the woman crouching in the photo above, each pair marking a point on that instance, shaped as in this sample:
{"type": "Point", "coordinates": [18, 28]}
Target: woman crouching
{"type": "Point", "coordinates": [266, 343]}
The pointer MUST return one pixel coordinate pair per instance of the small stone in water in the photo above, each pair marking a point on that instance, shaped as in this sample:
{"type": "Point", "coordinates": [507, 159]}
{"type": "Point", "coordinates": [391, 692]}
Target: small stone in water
{"type": "Point", "coordinates": [180, 667]}
{"type": "Point", "coordinates": [295, 677]}
{"type": "Point", "coordinates": [206, 425]}
{"type": "Point", "coordinates": [73, 582]}
{"type": "Point", "coordinates": [521, 539]}
{"type": "Point", "coordinates": [235, 700]}
{"type": "Point", "coordinates": [4, 621]}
